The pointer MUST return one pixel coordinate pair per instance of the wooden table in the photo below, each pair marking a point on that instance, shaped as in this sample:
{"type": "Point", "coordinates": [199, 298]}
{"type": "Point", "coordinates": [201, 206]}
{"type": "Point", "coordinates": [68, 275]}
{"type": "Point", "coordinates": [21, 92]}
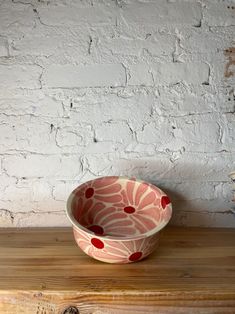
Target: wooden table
{"type": "Point", "coordinates": [43, 271]}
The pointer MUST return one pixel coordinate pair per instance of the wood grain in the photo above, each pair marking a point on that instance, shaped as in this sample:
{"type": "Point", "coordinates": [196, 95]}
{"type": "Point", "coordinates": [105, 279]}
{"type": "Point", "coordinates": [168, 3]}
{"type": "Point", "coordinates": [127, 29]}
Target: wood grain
{"type": "Point", "coordinates": [43, 271]}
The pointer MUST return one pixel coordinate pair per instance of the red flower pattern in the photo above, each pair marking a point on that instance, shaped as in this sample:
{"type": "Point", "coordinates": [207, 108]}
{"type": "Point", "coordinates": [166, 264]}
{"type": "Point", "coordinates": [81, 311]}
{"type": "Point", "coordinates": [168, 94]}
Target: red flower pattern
{"type": "Point", "coordinates": [111, 251]}
{"type": "Point", "coordinates": [117, 208]}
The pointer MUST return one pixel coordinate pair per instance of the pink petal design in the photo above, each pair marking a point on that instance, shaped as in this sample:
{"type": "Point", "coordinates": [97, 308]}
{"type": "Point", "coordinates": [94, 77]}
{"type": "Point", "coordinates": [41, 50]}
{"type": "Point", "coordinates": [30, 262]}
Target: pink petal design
{"type": "Point", "coordinates": [146, 221]}
{"type": "Point", "coordinates": [139, 225]}
{"type": "Point", "coordinates": [141, 244]}
{"type": "Point", "coordinates": [156, 189]}
{"type": "Point", "coordinates": [100, 183]}
{"type": "Point", "coordinates": [87, 205]}
{"type": "Point", "coordinates": [142, 188]}
{"type": "Point", "coordinates": [124, 199]}
{"type": "Point", "coordinates": [76, 208]}
{"type": "Point", "coordinates": [112, 217]}
{"type": "Point", "coordinates": [128, 231]}
{"type": "Point", "coordinates": [110, 189]}
{"type": "Point", "coordinates": [121, 205]}
{"type": "Point", "coordinates": [130, 188]}
{"type": "Point", "coordinates": [82, 244]}
{"type": "Point", "coordinates": [104, 256]}
{"type": "Point", "coordinates": [83, 220]}
{"type": "Point", "coordinates": [116, 244]}
{"type": "Point", "coordinates": [129, 246]}
{"type": "Point", "coordinates": [119, 223]}
{"type": "Point", "coordinates": [152, 212]}
{"type": "Point", "coordinates": [157, 202]}
{"type": "Point", "coordinates": [109, 199]}
{"type": "Point", "coordinates": [102, 214]}
{"type": "Point", "coordinates": [96, 208]}
{"type": "Point", "coordinates": [149, 198]}
{"type": "Point", "coordinates": [116, 251]}
{"type": "Point", "coordinates": [81, 235]}
{"type": "Point", "coordinates": [166, 213]}
{"type": "Point", "coordinates": [79, 192]}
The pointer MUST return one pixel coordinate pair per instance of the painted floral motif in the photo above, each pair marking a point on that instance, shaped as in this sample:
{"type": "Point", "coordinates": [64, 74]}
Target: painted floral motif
{"type": "Point", "coordinates": [166, 210]}
{"type": "Point", "coordinates": [141, 208]}
{"type": "Point", "coordinates": [119, 208]}
{"type": "Point", "coordinates": [141, 202]}
{"type": "Point", "coordinates": [115, 251]}
{"type": "Point", "coordinates": [102, 189]}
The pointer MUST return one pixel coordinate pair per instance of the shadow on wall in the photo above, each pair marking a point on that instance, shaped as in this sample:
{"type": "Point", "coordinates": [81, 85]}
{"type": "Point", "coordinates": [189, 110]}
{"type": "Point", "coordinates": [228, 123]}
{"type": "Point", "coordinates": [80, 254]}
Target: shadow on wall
{"type": "Point", "coordinates": [201, 194]}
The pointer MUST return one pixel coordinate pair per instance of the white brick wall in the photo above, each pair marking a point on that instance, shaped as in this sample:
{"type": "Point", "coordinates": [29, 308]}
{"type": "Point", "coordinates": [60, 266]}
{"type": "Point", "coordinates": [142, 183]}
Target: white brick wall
{"type": "Point", "coordinates": [71, 76]}
{"type": "Point", "coordinates": [138, 88]}
{"type": "Point", "coordinates": [19, 76]}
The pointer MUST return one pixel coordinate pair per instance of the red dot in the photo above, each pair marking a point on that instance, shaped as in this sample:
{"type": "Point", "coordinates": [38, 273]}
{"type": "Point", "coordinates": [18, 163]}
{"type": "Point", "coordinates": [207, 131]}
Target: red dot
{"type": "Point", "coordinates": [89, 192]}
{"type": "Point", "coordinates": [165, 201]}
{"type": "Point", "coordinates": [97, 243]}
{"type": "Point", "coordinates": [135, 256]}
{"type": "Point", "coordinates": [129, 209]}
{"type": "Point", "coordinates": [96, 229]}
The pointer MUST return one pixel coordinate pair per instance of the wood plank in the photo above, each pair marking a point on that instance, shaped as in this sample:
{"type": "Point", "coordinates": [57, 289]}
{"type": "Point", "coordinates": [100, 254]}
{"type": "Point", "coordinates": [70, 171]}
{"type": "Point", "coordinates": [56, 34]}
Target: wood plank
{"type": "Point", "coordinates": [43, 271]}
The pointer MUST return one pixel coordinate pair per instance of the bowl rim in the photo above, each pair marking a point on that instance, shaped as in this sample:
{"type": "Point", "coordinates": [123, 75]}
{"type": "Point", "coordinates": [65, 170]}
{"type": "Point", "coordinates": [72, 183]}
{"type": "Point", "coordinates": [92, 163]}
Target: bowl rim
{"type": "Point", "coordinates": [77, 225]}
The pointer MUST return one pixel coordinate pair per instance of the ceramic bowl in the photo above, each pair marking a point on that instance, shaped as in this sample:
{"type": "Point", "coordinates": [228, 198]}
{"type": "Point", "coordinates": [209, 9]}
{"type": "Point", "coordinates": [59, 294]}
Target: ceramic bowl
{"type": "Point", "coordinates": [118, 219]}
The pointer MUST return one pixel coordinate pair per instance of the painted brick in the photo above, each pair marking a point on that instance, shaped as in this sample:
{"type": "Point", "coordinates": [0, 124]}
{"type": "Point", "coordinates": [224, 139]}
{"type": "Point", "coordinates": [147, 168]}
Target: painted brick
{"type": "Point", "coordinates": [74, 138]}
{"type": "Point", "coordinates": [41, 219]}
{"type": "Point", "coordinates": [42, 166]}
{"type": "Point", "coordinates": [33, 102]}
{"type": "Point", "coordinates": [162, 13]}
{"type": "Point", "coordinates": [6, 218]}
{"type": "Point", "coordinates": [6, 181]}
{"type": "Point", "coordinates": [194, 73]}
{"type": "Point", "coordinates": [159, 45]}
{"type": "Point", "coordinates": [179, 100]}
{"type": "Point", "coordinates": [27, 133]}
{"type": "Point", "coordinates": [68, 76]}
{"type": "Point", "coordinates": [102, 108]}
{"type": "Point", "coordinates": [63, 188]}
{"type": "Point", "coordinates": [219, 13]}
{"type": "Point", "coordinates": [3, 47]}
{"type": "Point", "coordinates": [212, 41]}
{"type": "Point", "coordinates": [204, 167]}
{"type": "Point", "coordinates": [73, 15]}
{"type": "Point", "coordinates": [204, 219]}
{"type": "Point", "coordinates": [189, 133]}
{"type": "Point", "coordinates": [229, 131]}
{"type": "Point", "coordinates": [168, 73]}
{"type": "Point", "coordinates": [97, 165]}
{"type": "Point", "coordinates": [15, 19]}
{"type": "Point", "coordinates": [36, 45]}
{"type": "Point", "coordinates": [46, 41]}
{"type": "Point", "coordinates": [100, 148]}
{"type": "Point", "coordinates": [158, 133]}
{"type": "Point", "coordinates": [114, 132]}
{"type": "Point", "coordinates": [20, 76]}
{"type": "Point", "coordinates": [140, 74]}
{"type": "Point", "coordinates": [7, 137]}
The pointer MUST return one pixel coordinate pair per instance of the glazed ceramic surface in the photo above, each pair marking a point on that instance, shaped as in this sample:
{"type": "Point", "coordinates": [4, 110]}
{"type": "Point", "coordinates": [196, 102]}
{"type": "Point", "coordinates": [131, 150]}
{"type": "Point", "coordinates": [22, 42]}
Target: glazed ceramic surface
{"type": "Point", "coordinates": [117, 219]}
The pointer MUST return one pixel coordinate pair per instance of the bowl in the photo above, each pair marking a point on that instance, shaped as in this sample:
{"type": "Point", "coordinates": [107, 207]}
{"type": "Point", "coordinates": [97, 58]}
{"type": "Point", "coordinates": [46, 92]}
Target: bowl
{"type": "Point", "coordinates": [118, 219]}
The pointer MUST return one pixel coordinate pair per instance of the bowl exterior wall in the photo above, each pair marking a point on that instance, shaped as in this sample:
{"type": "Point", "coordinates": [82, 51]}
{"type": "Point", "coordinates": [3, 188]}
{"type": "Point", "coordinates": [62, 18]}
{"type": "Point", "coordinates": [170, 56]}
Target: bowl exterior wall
{"type": "Point", "coordinates": [115, 251]}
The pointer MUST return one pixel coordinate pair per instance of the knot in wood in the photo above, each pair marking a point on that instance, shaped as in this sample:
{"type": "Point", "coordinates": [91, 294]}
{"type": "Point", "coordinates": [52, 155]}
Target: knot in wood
{"type": "Point", "coordinates": [71, 310]}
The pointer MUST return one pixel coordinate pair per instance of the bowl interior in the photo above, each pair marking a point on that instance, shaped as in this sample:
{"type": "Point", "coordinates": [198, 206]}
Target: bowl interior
{"type": "Point", "coordinates": [119, 207]}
